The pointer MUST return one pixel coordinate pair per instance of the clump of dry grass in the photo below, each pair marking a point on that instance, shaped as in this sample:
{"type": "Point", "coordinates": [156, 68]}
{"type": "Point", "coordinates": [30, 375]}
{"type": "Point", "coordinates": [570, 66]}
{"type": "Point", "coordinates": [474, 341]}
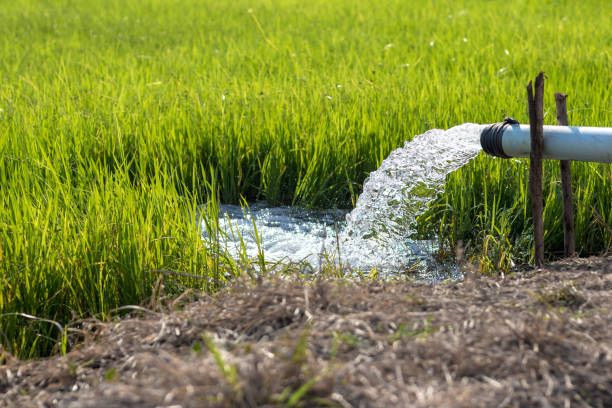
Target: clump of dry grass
{"type": "Point", "coordinates": [479, 343]}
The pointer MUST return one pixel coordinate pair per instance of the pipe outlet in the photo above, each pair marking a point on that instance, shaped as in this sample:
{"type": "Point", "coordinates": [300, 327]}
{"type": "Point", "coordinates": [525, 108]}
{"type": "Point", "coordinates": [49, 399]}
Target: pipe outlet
{"type": "Point", "coordinates": [509, 139]}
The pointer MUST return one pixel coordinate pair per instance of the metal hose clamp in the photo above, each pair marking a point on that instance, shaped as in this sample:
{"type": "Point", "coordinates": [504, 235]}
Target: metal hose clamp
{"type": "Point", "coordinates": [491, 137]}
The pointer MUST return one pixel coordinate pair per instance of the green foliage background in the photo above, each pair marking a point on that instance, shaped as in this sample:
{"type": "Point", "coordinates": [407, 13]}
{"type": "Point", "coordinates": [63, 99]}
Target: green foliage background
{"type": "Point", "coordinates": [119, 119]}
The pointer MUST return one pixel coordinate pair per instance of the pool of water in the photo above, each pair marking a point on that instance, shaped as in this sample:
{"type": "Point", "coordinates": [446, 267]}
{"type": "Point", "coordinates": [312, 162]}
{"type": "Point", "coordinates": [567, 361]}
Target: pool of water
{"type": "Point", "coordinates": [296, 235]}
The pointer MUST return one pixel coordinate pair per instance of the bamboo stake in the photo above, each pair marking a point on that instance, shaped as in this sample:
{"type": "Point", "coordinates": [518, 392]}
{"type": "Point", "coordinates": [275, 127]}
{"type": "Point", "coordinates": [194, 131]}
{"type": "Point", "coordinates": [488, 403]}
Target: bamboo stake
{"type": "Point", "coordinates": [569, 243]}
{"type": "Point", "coordinates": [536, 121]}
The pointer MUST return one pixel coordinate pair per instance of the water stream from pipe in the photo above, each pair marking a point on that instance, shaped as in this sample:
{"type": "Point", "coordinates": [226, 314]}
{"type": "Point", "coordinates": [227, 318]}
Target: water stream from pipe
{"type": "Point", "coordinates": [376, 233]}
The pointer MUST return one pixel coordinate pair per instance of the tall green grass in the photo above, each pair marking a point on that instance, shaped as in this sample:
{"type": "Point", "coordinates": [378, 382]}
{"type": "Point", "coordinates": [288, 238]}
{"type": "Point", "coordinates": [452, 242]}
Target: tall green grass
{"type": "Point", "coordinates": [119, 119]}
{"type": "Point", "coordinates": [486, 206]}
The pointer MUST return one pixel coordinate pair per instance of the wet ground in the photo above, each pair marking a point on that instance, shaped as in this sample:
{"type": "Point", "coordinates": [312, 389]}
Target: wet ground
{"type": "Point", "coordinates": [541, 338]}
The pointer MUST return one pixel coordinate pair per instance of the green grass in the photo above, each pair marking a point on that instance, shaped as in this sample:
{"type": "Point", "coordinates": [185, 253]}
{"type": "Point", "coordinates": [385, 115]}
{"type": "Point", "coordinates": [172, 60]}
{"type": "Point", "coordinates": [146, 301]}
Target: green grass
{"type": "Point", "coordinates": [116, 117]}
{"type": "Point", "coordinates": [486, 205]}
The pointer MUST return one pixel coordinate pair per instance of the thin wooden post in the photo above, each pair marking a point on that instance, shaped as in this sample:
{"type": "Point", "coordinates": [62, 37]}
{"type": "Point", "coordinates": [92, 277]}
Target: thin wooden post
{"type": "Point", "coordinates": [569, 244]}
{"type": "Point", "coordinates": [536, 121]}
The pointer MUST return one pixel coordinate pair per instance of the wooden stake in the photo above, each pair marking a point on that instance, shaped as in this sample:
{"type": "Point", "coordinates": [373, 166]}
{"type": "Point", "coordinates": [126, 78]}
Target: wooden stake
{"type": "Point", "coordinates": [569, 245]}
{"type": "Point", "coordinates": [536, 121]}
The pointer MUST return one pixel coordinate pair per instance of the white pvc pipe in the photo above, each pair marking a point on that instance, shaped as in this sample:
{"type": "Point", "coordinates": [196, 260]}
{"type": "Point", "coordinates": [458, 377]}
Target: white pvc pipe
{"type": "Point", "coordinates": [590, 144]}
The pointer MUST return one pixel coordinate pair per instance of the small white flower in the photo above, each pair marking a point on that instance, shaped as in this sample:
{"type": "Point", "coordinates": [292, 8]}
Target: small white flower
{"type": "Point", "coordinates": [388, 46]}
{"type": "Point", "coordinates": [223, 98]}
{"type": "Point", "coordinates": [156, 83]}
{"type": "Point", "coordinates": [405, 65]}
{"type": "Point", "coordinates": [507, 52]}
{"type": "Point", "coordinates": [339, 86]}
{"type": "Point", "coordinates": [464, 39]}
{"type": "Point", "coordinates": [328, 97]}
{"type": "Point", "coordinates": [431, 43]}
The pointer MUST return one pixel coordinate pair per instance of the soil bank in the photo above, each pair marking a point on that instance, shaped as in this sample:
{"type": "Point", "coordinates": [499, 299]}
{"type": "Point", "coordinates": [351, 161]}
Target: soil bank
{"type": "Point", "coordinates": [537, 338]}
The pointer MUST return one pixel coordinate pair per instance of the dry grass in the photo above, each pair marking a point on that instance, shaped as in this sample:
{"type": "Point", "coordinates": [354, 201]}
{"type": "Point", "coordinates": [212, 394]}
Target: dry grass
{"type": "Point", "coordinates": [539, 338]}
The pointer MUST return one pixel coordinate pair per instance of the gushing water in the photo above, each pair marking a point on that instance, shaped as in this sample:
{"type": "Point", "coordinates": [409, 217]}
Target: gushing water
{"type": "Point", "coordinates": [398, 192]}
{"type": "Point", "coordinates": [375, 234]}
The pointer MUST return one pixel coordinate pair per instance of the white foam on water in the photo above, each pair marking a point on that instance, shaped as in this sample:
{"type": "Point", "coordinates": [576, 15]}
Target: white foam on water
{"type": "Point", "coordinates": [284, 233]}
{"type": "Point", "coordinates": [375, 234]}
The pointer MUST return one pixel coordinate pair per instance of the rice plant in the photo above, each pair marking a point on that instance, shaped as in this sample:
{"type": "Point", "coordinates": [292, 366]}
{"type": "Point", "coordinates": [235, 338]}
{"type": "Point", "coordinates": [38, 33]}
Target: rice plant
{"type": "Point", "coordinates": [120, 120]}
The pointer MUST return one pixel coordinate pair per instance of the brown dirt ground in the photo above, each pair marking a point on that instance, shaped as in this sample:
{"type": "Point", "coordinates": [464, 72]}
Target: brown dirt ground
{"type": "Point", "coordinates": [537, 338]}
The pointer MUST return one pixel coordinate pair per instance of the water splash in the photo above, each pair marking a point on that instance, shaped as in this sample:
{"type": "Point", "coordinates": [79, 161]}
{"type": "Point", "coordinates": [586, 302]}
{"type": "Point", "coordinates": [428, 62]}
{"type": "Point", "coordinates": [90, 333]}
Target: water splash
{"type": "Point", "coordinates": [398, 192]}
{"type": "Point", "coordinates": [375, 234]}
